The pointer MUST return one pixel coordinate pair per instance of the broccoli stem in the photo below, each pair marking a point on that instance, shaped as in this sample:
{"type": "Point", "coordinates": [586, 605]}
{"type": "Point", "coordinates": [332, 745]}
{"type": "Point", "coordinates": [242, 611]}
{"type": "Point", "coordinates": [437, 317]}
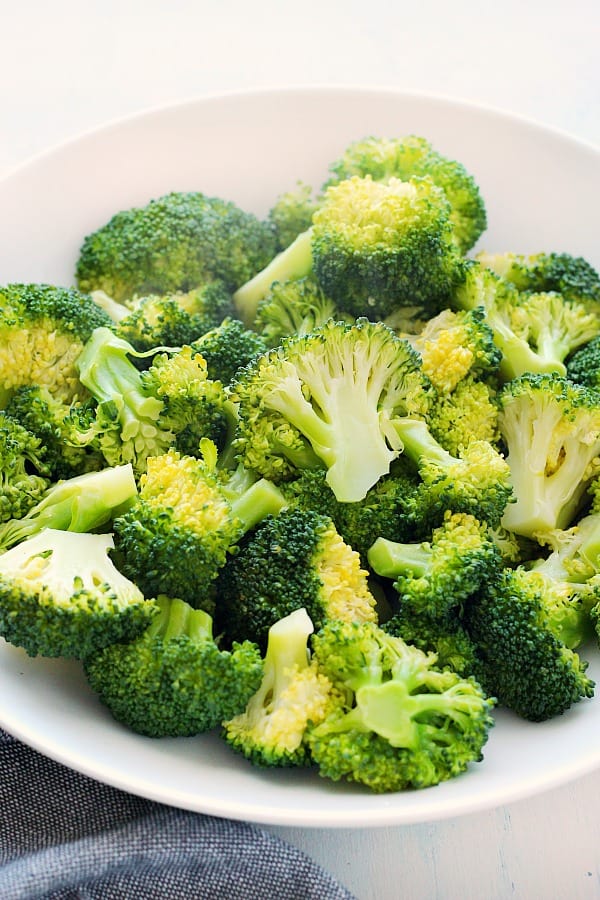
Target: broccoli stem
{"type": "Point", "coordinates": [176, 617]}
{"type": "Point", "coordinates": [420, 445]}
{"type": "Point", "coordinates": [392, 558]}
{"type": "Point", "coordinates": [259, 500]}
{"type": "Point", "coordinates": [292, 263]}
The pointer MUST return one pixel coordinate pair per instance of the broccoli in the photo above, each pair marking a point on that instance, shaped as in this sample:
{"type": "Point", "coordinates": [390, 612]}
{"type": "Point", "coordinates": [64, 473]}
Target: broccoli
{"type": "Point", "coordinates": [476, 482]}
{"type": "Point", "coordinates": [174, 243]}
{"type": "Point", "coordinates": [403, 158]}
{"type": "Point", "coordinates": [141, 414]}
{"type": "Point", "coordinates": [187, 517]}
{"type": "Point", "coordinates": [24, 473]}
{"type": "Point", "coordinates": [57, 425]}
{"type": "Point", "coordinates": [328, 398]}
{"type": "Point", "coordinates": [173, 679]}
{"type": "Point", "coordinates": [61, 595]}
{"type": "Point", "coordinates": [536, 331]}
{"type": "Point", "coordinates": [583, 366]}
{"type": "Point", "coordinates": [516, 627]}
{"type": "Point", "coordinates": [436, 576]}
{"type": "Point", "coordinates": [83, 503]}
{"type": "Point", "coordinates": [468, 413]}
{"type": "Point", "coordinates": [293, 559]}
{"type": "Point", "coordinates": [292, 213]}
{"type": "Point", "coordinates": [292, 697]}
{"type": "Point", "coordinates": [551, 429]}
{"type": "Point", "coordinates": [174, 319]}
{"type": "Point", "coordinates": [404, 722]}
{"type": "Point", "coordinates": [443, 635]}
{"type": "Point", "coordinates": [42, 332]}
{"type": "Point", "coordinates": [572, 276]}
{"type": "Point", "coordinates": [228, 347]}
{"type": "Point", "coordinates": [378, 245]}
{"type": "Point", "coordinates": [292, 307]}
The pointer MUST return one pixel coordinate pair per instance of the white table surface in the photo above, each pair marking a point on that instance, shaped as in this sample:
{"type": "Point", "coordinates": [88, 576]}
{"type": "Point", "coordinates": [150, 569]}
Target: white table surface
{"type": "Point", "coordinates": [68, 67]}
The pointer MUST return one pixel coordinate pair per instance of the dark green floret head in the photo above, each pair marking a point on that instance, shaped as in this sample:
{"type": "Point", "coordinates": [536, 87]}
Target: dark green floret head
{"type": "Point", "coordinates": [174, 680]}
{"type": "Point", "coordinates": [24, 473]}
{"type": "Point", "coordinates": [572, 276]}
{"type": "Point", "coordinates": [227, 347]}
{"type": "Point", "coordinates": [174, 243]}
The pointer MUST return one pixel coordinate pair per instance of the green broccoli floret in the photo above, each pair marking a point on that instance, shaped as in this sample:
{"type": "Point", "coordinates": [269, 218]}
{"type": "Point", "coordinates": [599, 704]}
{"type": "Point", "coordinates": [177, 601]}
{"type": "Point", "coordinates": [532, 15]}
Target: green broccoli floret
{"type": "Point", "coordinates": [292, 697]}
{"type": "Point", "coordinates": [440, 574]}
{"type": "Point", "coordinates": [403, 158]}
{"type": "Point", "coordinates": [516, 628]}
{"type": "Point", "coordinates": [583, 366]}
{"type": "Point", "coordinates": [187, 517]}
{"type": "Point", "coordinates": [290, 560]}
{"type": "Point", "coordinates": [328, 399]}
{"type": "Point", "coordinates": [141, 414]}
{"type": "Point", "coordinates": [57, 426]}
{"type": "Point", "coordinates": [83, 503]}
{"type": "Point", "coordinates": [174, 680]}
{"type": "Point", "coordinates": [379, 245]}
{"type": "Point", "coordinates": [572, 276]}
{"type": "Point", "coordinates": [42, 332]}
{"type": "Point", "coordinates": [536, 331]}
{"type": "Point", "coordinates": [551, 429]}
{"type": "Point", "coordinates": [445, 636]}
{"type": "Point", "coordinates": [24, 473]}
{"type": "Point", "coordinates": [466, 414]}
{"type": "Point", "coordinates": [228, 347]}
{"type": "Point", "coordinates": [404, 723]}
{"type": "Point", "coordinates": [292, 307]}
{"type": "Point", "coordinates": [174, 243]}
{"type": "Point", "coordinates": [292, 213]}
{"type": "Point", "coordinates": [61, 595]}
{"type": "Point", "coordinates": [476, 482]}
{"type": "Point", "coordinates": [171, 320]}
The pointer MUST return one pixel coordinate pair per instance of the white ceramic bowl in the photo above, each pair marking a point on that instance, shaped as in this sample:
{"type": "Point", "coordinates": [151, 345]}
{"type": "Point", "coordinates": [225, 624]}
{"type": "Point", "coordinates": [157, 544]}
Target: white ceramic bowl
{"type": "Point", "coordinates": [541, 189]}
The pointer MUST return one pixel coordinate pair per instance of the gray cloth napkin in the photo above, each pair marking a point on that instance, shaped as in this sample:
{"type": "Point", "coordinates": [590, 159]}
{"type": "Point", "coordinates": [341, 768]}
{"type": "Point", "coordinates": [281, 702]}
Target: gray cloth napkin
{"type": "Point", "coordinates": [64, 836]}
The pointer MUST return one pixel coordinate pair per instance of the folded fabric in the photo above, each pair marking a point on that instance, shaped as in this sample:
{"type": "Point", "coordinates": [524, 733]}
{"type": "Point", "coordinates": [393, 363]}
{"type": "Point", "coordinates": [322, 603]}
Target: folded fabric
{"type": "Point", "coordinates": [64, 836]}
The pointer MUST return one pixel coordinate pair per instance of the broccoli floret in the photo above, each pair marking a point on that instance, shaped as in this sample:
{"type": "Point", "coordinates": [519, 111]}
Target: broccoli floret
{"type": "Point", "coordinates": [292, 697]}
{"type": "Point", "coordinates": [174, 680]}
{"type": "Point", "coordinates": [468, 413]}
{"type": "Point", "coordinates": [476, 482]}
{"type": "Point", "coordinates": [327, 399]}
{"type": "Point", "coordinates": [405, 723]}
{"type": "Point", "coordinates": [572, 276]}
{"type": "Point", "coordinates": [57, 426]}
{"type": "Point", "coordinates": [523, 660]}
{"type": "Point", "coordinates": [61, 595]}
{"type": "Point", "coordinates": [583, 366]}
{"type": "Point", "coordinates": [186, 518]}
{"type": "Point", "coordinates": [83, 503]}
{"type": "Point", "coordinates": [171, 320]}
{"type": "Point", "coordinates": [290, 560]}
{"type": "Point", "coordinates": [141, 414]}
{"type": "Point", "coordinates": [445, 636]}
{"type": "Point", "coordinates": [536, 331]}
{"type": "Point", "coordinates": [438, 575]}
{"type": "Point", "coordinates": [228, 347]}
{"type": "Point", "coordinates": [174, 243]}
{"type": "Point", "coordinates": [551, 429]}
{"type": "Point", "coordinates": [292, 307]}
{"type": "Point", "coordinates": [379, 245]}
{"type": "Point", "coordinates": [42, 332]}
{"type": "Point", "coordinates": [403, 158]}
{"type": "Point", "coordinates": [24, 473]}
{"type": "Point", "coordinates": [292, 213]}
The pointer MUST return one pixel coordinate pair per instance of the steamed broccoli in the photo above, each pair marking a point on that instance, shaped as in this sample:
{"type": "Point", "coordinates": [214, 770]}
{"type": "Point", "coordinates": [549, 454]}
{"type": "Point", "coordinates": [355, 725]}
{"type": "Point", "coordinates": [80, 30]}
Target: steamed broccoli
{"type": "Point", "coordinates": [293, 696]}
{"type": "Point", "coordinates": [328, 399]}
{"type": "Point", "coordinates": [228, 347]}
{"type": "Point", "coordinates": [174, 243]}
{"type": "Point", "coordinates": [466, 414]}
{"type": "Point", "coordinates": [42, 332]}
{"type": "Point", "coordinates": [176, 536]}
{"type": "Point", "coordinates": [290, 560]}
{"type": "Point", "coordinates": [292, 213]}
{"type": "Point", "coordinates": [443, 635]}
{"type": "Point", "coordinates": [404, 723]}
{"type": "Point", "coordinates": [292, 307]}
{"type": "Point", "coordinates": [517, 626]}
{"type": "Point", "coordinates": [174, 680]}
{"type": "Point", "coordinates": [405, 157]}
{"type": "Point", "coordinates": [583, 366]}
{"type": "Point", "coordinates": [551, 429]}
{"type": "Point", "coordinates": [24, 473]}
{"type": "Point", "coordinates": [572, 276]}
{"type": "Point", "coordinates": [438, 575]}
{"type": "Point", "coordinates": [83, 503]}
{"type": "Point", "coordinates": [173, 319]}
{"type": "Point", "coordinates": [61, 595]}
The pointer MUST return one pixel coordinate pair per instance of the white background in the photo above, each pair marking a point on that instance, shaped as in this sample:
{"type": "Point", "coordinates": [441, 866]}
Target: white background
{"type": "Point", "coordinates": [69, 66]}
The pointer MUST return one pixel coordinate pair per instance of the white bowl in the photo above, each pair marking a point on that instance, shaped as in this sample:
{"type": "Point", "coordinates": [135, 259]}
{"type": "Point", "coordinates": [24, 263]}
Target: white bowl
{"type": "Point", "coordinates": [541, 189]}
